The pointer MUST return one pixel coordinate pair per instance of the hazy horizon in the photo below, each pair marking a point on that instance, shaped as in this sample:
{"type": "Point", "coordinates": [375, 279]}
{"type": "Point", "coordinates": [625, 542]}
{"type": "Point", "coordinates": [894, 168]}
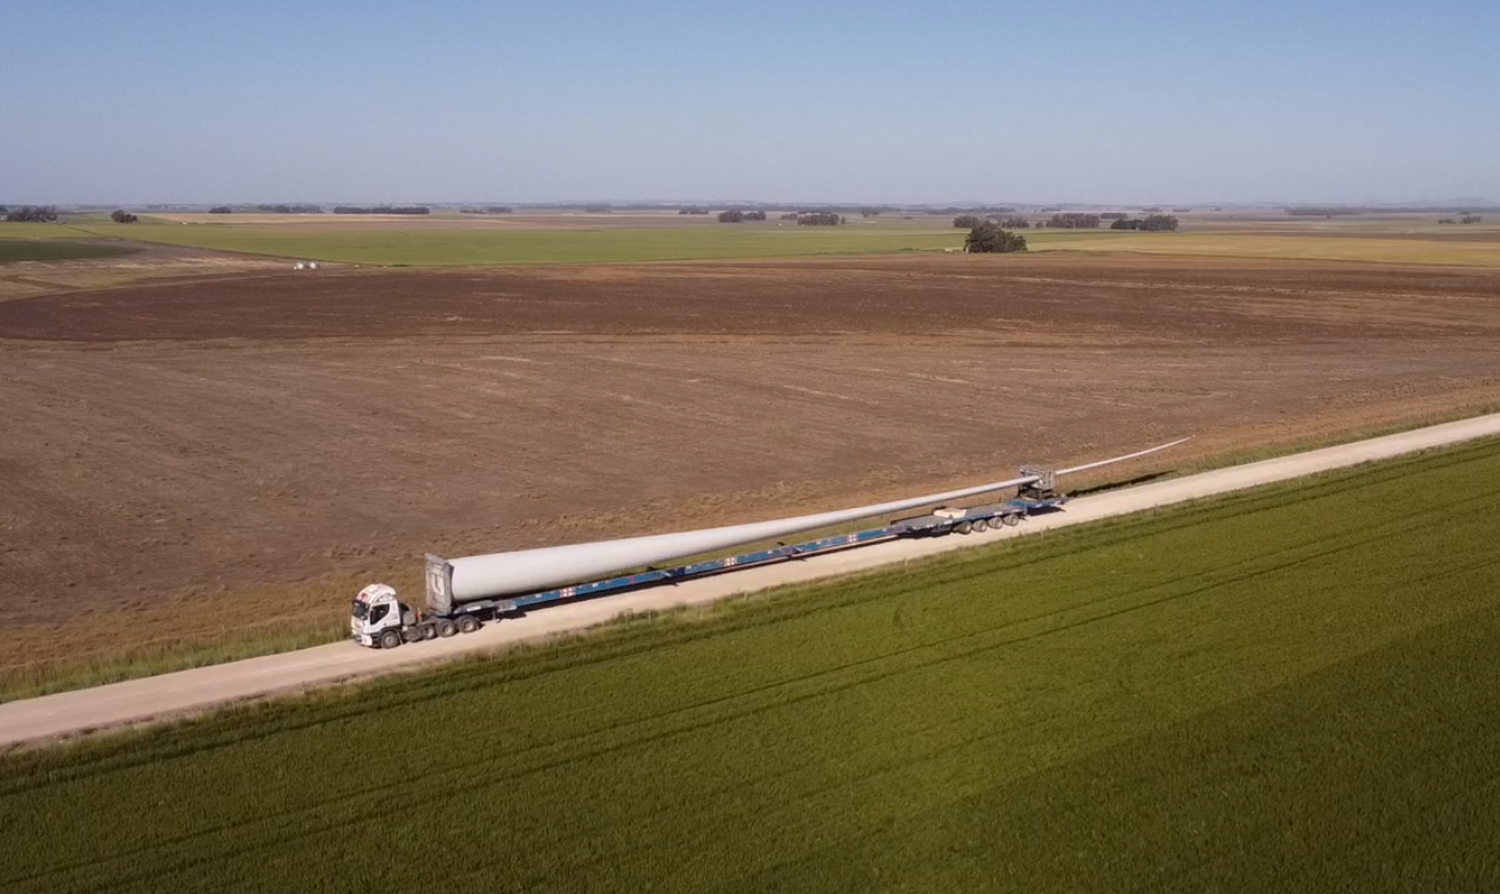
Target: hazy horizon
{"type": "Point", "coordinates": [1189, 104]}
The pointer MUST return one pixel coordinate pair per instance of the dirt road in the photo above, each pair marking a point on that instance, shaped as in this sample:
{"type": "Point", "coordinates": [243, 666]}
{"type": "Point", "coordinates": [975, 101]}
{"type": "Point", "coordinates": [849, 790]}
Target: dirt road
{"type": "Point", "coordinates": [176, 694]}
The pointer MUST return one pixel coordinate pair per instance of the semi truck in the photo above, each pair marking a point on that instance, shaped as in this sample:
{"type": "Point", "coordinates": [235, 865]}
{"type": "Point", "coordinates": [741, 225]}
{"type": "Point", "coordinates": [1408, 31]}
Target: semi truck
{"type": "Point", "coordinates": [463, 593]}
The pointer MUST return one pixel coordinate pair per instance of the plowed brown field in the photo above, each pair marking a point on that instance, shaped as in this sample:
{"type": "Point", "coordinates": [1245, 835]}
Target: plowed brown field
{"type": "Point", "coordinates": [243, 450]}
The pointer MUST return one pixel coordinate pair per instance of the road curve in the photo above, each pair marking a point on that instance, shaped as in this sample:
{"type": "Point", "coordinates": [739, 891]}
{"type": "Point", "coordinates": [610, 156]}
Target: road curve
{"type": "Point", "coordinates": [184, 692]}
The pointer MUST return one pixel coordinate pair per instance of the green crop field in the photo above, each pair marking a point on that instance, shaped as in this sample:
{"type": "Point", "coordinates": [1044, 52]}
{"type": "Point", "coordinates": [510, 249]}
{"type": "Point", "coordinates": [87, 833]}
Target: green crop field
{"type": "Point", "coordinates": [426, 243]}
{"type": "Point", "coordinates": [1289, 689]}
{"type": "Point", "coordinates": [436, 247]}
{"type": "Point", "coordinates": [12, 250]}
{"type": "Point", "coordinates": [417, 246]}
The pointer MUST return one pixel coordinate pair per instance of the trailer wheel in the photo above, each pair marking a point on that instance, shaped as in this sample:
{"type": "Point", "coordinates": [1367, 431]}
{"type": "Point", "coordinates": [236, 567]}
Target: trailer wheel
{"type": "Point", "coordinates": [983, 524]}
{"type": "Point", "coordinates": [965, 527]}
{"type": "Point", "coordinates": [1013, 520]}
{"type": "Point", "coordinates": [468, 624]}
{"type": "Point", "coordinates": [446, 628]}
{"type": "Point", "coordinates": [429, 631]}
{"type": "Point", "coordinates": [390, 639]}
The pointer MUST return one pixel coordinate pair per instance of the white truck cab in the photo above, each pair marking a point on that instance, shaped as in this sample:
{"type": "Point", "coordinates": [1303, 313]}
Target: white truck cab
{"type": "Point", "coordinates": [379, 619]}
{"type": "Point", "coordinates": [376, 618]}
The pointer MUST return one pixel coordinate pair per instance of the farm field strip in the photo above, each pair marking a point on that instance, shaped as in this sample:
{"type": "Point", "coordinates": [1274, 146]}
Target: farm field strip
{"type": "Point", "coordinates": [447, 242]}
{"type": "Point", "coordinates": [1175, 700]}
{"type": "Point", "coordinates": [180, 452]}
{"type": "Point", "coordinates": [1332, 247]}
{"type": "Point", "coordinates": [14, 250]}
{"type": "Point", "coordinates": [418, 246]}
{"type": "Point", "coordinates": [171, 694]}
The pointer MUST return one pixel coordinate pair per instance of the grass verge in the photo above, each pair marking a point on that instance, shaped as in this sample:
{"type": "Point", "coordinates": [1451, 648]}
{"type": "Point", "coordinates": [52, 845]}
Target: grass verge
{"type": "Point", "coordinates": [1285, 688]}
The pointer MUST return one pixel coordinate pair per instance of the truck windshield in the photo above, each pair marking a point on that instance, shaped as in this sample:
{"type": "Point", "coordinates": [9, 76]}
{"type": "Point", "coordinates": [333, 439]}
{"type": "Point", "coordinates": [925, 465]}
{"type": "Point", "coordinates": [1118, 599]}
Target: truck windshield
{"type": "Point", "coordinates": [360, 610]}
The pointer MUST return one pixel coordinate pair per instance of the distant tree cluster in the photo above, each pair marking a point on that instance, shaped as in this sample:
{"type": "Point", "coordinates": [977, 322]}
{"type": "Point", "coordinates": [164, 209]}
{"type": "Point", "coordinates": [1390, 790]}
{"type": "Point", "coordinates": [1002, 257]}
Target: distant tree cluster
{"type": "Point", "coordinates": [1466, 219]}
{"type": "Point", "coordinates": [120, 216]}
{"type": "Point", "coordinates": [1074, 221]}
{"type": "Point", "coordinates": [987, 238]}
{"type": "Point", "coordinates": [990, 210]}
{"type": "Point", "coordinates": [289, 209]}
{"type": "Point", "coordinates": [736, 215]}
{"type": "Point", "coordinates": [599, 209]}
{"type": "Point", "coordinates": [221, 209]}
{"type": "Point", "coordinates": [692, 209]}
{"type": "Point", "coordinates": [487, 209]}
{"type": "Point", "coordinates": [1321, 211]}
{"type": "Point", "coordinates": [1181, 210]}
{"type": "Point", "coordinates": [32, 214]}
{"type": "Point", "coordinates": [970, 221]}
{"type": "Point", "coordinates": [1154, 223]}
{"type": "Point", "coordinates": [869, 212]}
{"type": "Point", "coordinates": [1113, 215]}
{"type": "Point", "coordinates": [819, 219]}
{"type": "Point", "coordinates": [381, 209]}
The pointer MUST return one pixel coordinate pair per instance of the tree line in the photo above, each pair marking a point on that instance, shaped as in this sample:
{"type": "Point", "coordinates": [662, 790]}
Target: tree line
{"type": "Point", "coordinates": [986, 210]}
{"type": "Point", "coordinates": [970, 221]}
{"type": "Point", "coordinates": [1322, 211]}
{"type": "Point", "coordinates": [381, 209]}
{"type": "Point", "coordinates": [289, 209]}
{"type": "Point", "coordinates": [735, 215]}
{"type": "Point", "coordinates": [31, 214]}
{"type": "Point", "coordinates": [1152, 223]}
{"type": "Point", "coordinates": [1074, 220]}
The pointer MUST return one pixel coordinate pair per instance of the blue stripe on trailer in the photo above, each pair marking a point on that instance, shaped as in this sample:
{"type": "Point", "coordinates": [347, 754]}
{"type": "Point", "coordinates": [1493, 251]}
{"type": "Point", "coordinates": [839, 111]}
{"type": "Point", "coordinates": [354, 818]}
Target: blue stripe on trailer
{"type": "Point", "coordinates": [656, 575]}
{"type": "Point", "coordinates": [1017, 506]}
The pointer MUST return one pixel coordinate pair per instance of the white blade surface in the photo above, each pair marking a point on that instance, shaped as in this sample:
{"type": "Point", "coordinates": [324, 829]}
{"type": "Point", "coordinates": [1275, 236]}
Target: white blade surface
{"type": "Point", "coordinates": [530, 570]}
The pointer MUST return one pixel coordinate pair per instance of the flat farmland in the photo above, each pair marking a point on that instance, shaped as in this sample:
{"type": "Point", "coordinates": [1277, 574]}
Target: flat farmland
{"type": "Point", "coordinates": [1275, 690]}
{"type": "Point", "coordinates": [31, 267]}
{"type": "Point", "coordinates": [457, 240]}
{"type": "Point", "coordinates": [194, 463]}
{"type": "Point", "coordinates": [1448, 245]}
{"type": "Point", "coordinates": [450, 242]}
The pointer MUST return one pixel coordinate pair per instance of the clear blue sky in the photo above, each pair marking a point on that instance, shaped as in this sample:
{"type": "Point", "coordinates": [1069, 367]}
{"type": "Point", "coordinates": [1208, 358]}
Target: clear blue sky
{"type": "Point", "coordinates": [1118, 102]}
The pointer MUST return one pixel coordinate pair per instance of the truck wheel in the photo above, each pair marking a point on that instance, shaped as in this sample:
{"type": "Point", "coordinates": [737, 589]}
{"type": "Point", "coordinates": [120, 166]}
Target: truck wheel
{"type": "Point", "coordinates": [429, 631]}
{"type": "Point", "coordinates": [446, 628]}
{"type": "Point", "coordinates": [1013, 520]}
{"type": "Point", "coordinates": [468, 624]}
{"type": "Point", "coordinates": [390, 639]}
